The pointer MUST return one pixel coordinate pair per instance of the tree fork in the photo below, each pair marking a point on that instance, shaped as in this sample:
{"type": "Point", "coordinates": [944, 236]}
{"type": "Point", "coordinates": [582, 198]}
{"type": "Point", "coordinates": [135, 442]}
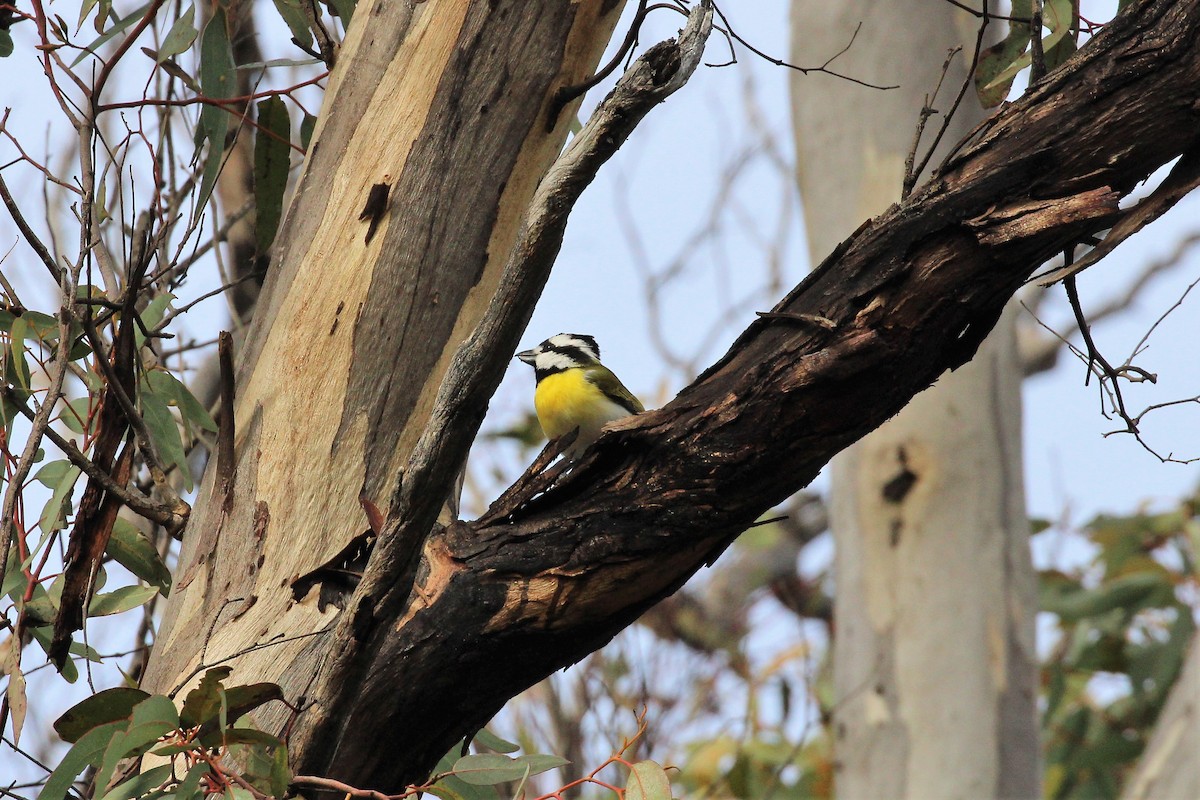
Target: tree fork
{"type": "Point", "coordinates": [447, 104]}
{"type": "Point", "coordinates": [504, 601]}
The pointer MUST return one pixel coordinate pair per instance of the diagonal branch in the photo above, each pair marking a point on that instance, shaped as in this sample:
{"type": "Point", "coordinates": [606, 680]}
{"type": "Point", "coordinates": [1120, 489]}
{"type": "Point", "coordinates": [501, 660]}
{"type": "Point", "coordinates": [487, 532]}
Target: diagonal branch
{"type": "Point", "coordinates": [502, 602]}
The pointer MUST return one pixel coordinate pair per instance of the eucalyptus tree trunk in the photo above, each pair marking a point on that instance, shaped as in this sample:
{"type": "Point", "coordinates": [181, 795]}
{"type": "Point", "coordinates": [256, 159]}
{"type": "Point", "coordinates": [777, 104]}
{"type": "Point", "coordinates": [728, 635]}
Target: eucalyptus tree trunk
{"type": "Point", "coordinates": [450, 106]}
{"type": "Point", "coordinates": [934, 662]}
{"type": "Point", "coordinates": [1169, 768]}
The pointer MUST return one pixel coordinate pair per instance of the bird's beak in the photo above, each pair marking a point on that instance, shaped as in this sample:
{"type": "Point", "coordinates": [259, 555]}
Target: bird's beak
{"type": "Point", "coordinates": [528, 356]}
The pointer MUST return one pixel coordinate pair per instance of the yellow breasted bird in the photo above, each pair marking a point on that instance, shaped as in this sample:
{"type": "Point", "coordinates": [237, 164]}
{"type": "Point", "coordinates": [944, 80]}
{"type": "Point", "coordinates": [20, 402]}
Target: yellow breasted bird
{"type": "Point", "coordinates": [574, 390]}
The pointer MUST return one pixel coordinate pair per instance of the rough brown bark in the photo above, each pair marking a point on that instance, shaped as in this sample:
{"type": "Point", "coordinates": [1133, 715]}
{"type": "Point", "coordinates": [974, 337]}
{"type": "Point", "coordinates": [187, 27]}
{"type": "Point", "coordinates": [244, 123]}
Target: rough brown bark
{"type": "Point", "coordinates": [504, 601]}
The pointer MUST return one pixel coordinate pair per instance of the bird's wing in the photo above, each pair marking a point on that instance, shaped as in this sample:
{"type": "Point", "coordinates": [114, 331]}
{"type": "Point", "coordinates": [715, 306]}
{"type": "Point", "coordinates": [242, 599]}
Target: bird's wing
{"type": "Point", "coordinates": [611, 385]}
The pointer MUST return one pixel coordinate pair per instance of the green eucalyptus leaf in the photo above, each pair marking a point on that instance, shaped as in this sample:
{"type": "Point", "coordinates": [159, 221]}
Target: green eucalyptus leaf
{"type": "Point", "coordinates": [488, 769]}
{"type": "Point", "coordinates": [141, 784]}
{"type": "Point", "coordinates": [272, 162]}
{"type": "Point", "coordinates": [52, 472]}
{"type": "Point", "coordinates": [647, 781]}
{"type": "Point", "coordinates": [107, 705]}
{"type": "Point", "coordinates": [19, 368]}
{"type": "Point", "coordinates": [150, 720]}
{"type": "Point", "coordinates": [165, 432]}
{"type": "Point", "coordinates": [307, 126]}
{"type": "Point", "coordinates": [116, 28]}
{"type": "Point", "coordinates": [121, 600]}
{"type": "Point", "coordinates": [218, 81]}
{"type": "Point", "coordinates": [75, 414]}
{"type": "Point", "coordinates": [181, 36]}
{"type": "Point", "coordinates": [133, 551]}
{"type": "Point", "coordinates": [1057, 16]}
{"type": "Point", "coordinates": [54, 515]}
{"type": "Point", "coordinates": [86, 752]}
{"type": "Point", "coordinates": [42, 635]}
{"type": "Point", "coordinates": [995, 59]}
{"type": "Point", "coordinates": [293, 15]}
{"type": "Point", "coordinates": [493, 742]}
{"type": "Point", "coordinates": [189, 787]}
{"type": "Point", "coordinates": [343, 9]}
{"type": "Point", "coordinates": [203, 703]}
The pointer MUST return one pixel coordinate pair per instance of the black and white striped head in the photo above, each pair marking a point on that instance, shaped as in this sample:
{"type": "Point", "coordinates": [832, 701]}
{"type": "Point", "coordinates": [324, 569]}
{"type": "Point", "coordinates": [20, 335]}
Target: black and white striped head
{"type": "Point", "coordinates": [562, 352]}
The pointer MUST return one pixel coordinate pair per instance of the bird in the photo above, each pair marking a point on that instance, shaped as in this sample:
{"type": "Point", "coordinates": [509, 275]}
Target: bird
{"type": "Point", "coordinates": [575, 391]}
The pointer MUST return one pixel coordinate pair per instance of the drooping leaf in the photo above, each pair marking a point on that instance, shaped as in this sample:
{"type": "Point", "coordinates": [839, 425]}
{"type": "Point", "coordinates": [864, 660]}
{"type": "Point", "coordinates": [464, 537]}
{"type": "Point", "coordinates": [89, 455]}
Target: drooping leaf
{"type": "Point", "coordinates": [121, 600]}
{"type": "Point", "coordinates": [307, 126]}
{"type": "Point", "coordinates": [108, 705]}
{"type": "Point", "coordinates": [1057, 16]}
{"type": "Point", "coordinates": [998, 57]}
{"type": "Point", "coordinates": [117, 27]}
{"type": "Point", "coordinates": [85, 8]}
{"type": "Point", "coordinates": [189, 787]}
{"type": "Point", "coordinates": [18, 704]}
{"type": "Point", "coordinates": [152, 315]}
{"type": "Point", "coordinates": [6, 44]}
{"type": "Point", "coordinates": [87, 751]}
{"type": "Point", "coordinates": [488, 769]}
{"type": "Point", "coordinates": [75, 414]}
{"type": "Point", "coordinates": [204, 702]}
{"type": "Point", "coordinates": [293, 15]}
{"type": "Point", "coordinates": [133, 551]}
{"type": "Point", "coordinates": [104, 14]}
{"type": "Point", "coordinates": [151, 719]}
{"type": "Point", "coordinates": [344, 9]}
{"type": "Point", "coordinates": [272, 162]}
{"type": "Point", "coordinates": [191, 411]}
{"type": "Point", "coordinates": [647, 781]}
{"type": "Point", "coordinates": [19, 367]}
{"type": "Point", "coordinates": [140, 785]}
{"type": "Point", "coordinates": [180, 37]}
{"type": "Point", "coordinates": [218, 81]}
{"type": "Point", "coordinates": [54, 515]}
{"type": "Point", "coordinates": [164, 431]}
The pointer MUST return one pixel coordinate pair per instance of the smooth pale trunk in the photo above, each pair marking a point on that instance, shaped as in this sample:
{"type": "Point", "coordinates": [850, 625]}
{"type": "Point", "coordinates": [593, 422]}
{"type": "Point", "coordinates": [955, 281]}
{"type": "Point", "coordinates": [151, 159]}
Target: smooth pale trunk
{"type": "Point", "coordinates": [934, 662]}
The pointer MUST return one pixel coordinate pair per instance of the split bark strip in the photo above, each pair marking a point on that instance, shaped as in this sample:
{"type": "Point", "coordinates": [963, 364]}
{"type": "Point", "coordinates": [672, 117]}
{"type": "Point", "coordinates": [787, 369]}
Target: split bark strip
{"type": "Point", "coordinates": [475, 372]}
{"type": "Point", "coordinates": [503, 603]}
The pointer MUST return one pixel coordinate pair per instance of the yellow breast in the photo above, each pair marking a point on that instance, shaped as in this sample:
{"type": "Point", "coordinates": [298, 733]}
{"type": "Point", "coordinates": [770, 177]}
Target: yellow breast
{"type": "Point", "coordinates": [568, 400]}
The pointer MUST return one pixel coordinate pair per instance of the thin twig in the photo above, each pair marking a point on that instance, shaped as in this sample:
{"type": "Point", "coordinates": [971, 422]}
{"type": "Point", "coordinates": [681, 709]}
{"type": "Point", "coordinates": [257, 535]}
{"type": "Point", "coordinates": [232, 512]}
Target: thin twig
{"type": "Point", "coordinates": [729, 31]}
{"type": "Point", "coordinates": [1036, 55]}
{"type": "Point", "coordinates": [927, 110]}
{"type": "Point", "coordinates": [962, 92]}
{"type": "Point", "coordinates": [1095, 357]}
{"type": "Point", "coordinates": [146, 506]}
{"type": "Point", "coordinates": [28, 233]}
{"type": "Point", "coordinates": [150, 454]}
{"type": "Point", "coordinates": [41, 420]}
